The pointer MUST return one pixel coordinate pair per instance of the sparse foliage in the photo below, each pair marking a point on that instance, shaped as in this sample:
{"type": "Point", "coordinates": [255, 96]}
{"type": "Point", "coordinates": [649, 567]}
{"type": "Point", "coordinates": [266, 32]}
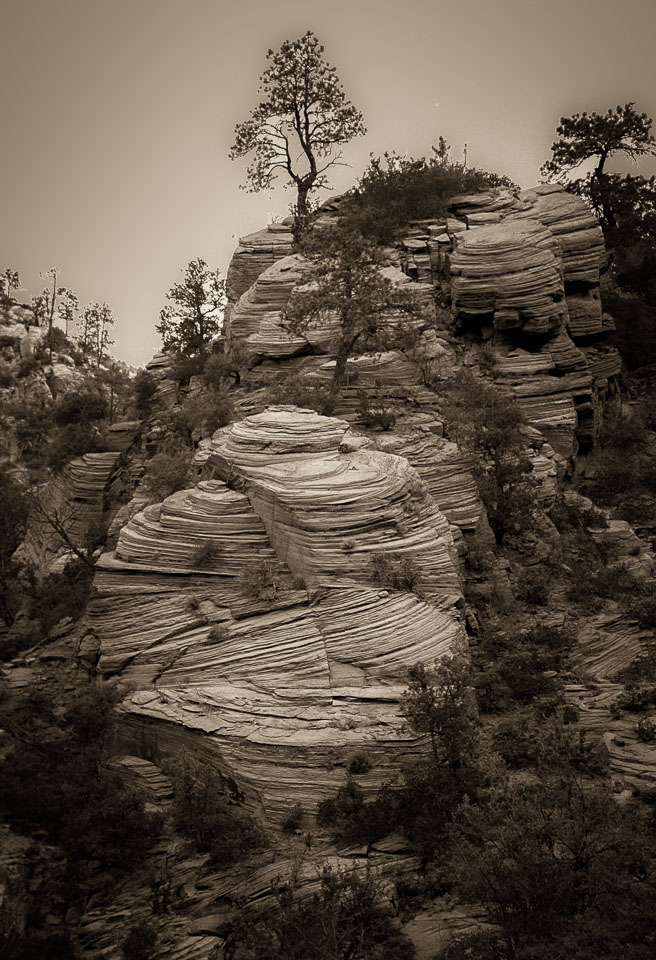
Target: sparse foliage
{"type": "Point", "coordinates": [625, 204]}
{"type": "Point", "coordinates": [203, 811]}
{"type": "Point", "coordinates": [13, 515]}
{"type": "Point", "coordinates": [145, 388]}
{"type": "Point", "coordinates": [346, 286]}
{"type": "Point", "coordinates": [168, 470]}
{"type": "Point", "coordinates": [441, 703]}
{"type": "Point", "coordinates": [396, 571]}
{"type": "Point", "coordinates": [194, 313]}
{"type": "Point", "coordinates": [93, 334]}
{"type": "Point", "coordinates": [485, 420]}
{"type": "Point", "coordinates": [261, 580]}
{"type": "Point", "coordinates": [394, 190]}
{"type": "Point", "coordinates": [9, 280]}
{"type": "Point", "coordinates": [54, 303]}
{"type": "Point", "coordinates": [303, 111]}
{"type": "Point", "coordinates": [346, 919]}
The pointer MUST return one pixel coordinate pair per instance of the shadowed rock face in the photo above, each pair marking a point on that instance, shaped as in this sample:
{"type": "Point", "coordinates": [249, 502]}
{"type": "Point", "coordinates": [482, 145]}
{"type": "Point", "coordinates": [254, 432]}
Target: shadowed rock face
{"type": "Point", "coordinates": [278, 683]}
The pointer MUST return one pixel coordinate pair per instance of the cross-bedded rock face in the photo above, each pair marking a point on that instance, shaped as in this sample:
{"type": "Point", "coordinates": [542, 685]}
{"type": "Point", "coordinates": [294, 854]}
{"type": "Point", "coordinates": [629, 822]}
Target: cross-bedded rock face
{"type": "Point", "coordinates": [253, 618]}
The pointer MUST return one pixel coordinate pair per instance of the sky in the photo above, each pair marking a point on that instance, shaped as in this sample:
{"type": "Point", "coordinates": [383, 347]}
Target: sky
{"type": "Point", "coordinates": [117, 117]}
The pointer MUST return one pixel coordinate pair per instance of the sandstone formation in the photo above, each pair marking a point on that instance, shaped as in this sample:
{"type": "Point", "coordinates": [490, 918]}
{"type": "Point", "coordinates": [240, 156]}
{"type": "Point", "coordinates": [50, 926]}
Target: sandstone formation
{"type": "Point", "coordinates": [257, 317]}
{"type": "Point", "coordinates": [251, 616]}
{"type": "Point", "coordinates": [255, 253]}
{"type": "Point", "coordinates": [68, 507]}
{"type": "Point", "coordinates": [522, 265]}
{"type": "Point", "coordinates": [525, 267]}
{"type": "Point", "coordinates": [160, 368]}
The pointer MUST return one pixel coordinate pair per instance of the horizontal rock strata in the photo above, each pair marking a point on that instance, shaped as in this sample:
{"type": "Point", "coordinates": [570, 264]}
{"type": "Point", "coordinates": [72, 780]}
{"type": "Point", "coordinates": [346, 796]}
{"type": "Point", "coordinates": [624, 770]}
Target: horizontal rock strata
{"type": "Point", "coordinates": [255, 253]}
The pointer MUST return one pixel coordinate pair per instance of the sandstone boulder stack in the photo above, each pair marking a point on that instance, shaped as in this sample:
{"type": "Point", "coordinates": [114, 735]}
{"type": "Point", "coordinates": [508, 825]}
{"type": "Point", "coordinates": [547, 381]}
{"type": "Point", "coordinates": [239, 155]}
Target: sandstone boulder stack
{"type": "Point", "coordinates": [263, 616]}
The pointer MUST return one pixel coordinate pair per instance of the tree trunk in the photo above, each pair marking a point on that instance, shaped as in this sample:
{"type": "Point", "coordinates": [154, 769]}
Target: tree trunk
{"type": "Point", "coordinates": [302, 209]}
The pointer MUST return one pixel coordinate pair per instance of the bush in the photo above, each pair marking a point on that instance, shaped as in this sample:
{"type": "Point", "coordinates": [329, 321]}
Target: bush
{"type": "Point", "coordinates": [488, 422]}
{"type": "Point", "coordinates": [359, 763]}
{"type": "Point", "coordinates": [375, 416]}
{"type": "Point", "coordinates": [394, 190]}
{"type": "Point", "coordinates": [354, 820]}
{"type": "Point", "coordinates": [168, 470]}
{"type": "Point", "coordinates": [643, 609]}
{"type": "Point", "coordinates": [535, 587]}
{"type": "Point", "coordinates": [33, 430]}
{"type": "Point", "coordinates": [297, 392]}
{"type": "Point", "coordinates": [202, 811]}
{"type": "Point", "coordinates": [569, 517]}
{"type": "Point", "coordinates": [293, 820]}
{"type": "Point", "coordinates": [509, 856]}
{"type": "Point", "coordinates": [395, 571]}
{"type": "Point", "coordinates": [523, 671]}
{"type": "Point", "coordinates": [260, 580]}
{"type": "Point", "coordinates": [55, 779]}
{"type": "Point", "coordinates": [347, 917]}
{"type": "Point", "coordinates": [636, 698]}
{"type": "Point", "coordinates": [624, 470]}
{"type": "Point", "coordinates": [7, 374]}
{"type": "Point", "coordinates": [79, 406]}
{"type": "Point", "coordinates": [204, 555]}
{"type": "Point", "coordinates": [635, 322]}
{"type": "Point", "coordinates": [230, 363]}
{"type": "Point", "coordinates": [74, 440]}
{"type": "Point", "coordinates": [13, 517]}
{"type": "Point", "coordinates": [144, 386]}
{"type": "Point", "coordinates": [646, 730]}
{"type": "Point", "coordinates": [184, 368]}
{"type": "Point", "coordinates": [208, 411]}
{"type": "Point", "coordinates": [61, 595]}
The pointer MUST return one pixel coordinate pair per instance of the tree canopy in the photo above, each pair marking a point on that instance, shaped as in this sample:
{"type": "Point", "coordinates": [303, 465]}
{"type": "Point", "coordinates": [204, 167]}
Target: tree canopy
{"type": "Point", "coordinates": [300, 122]}
{"type": "Point", "coordinates": [194, 313]}
{"type": "Point", "coordinates": [622, 202]}
{"type": "Point", "coordinates": [346, 284]}
{"type": "Point", "coordinates": [592, 135]}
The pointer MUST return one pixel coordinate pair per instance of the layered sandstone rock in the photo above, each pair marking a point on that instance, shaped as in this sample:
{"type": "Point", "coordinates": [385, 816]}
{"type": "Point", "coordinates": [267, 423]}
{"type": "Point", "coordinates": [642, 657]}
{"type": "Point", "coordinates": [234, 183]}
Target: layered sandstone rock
{"type": "Point", "coordinates": [250, 615]}
{"type": "Point", "coordinates": [510, 272]}
{"type": "Point", "coordinates": [255, 253]}
{"type": "Point", "coordinates": [526, 266]}
{"type": "Point", "coordinates": [258, 316]}
{"type": "Point", "coordinates": [67, 509]}
{"type": "Point", "coordinates": [161, 368]}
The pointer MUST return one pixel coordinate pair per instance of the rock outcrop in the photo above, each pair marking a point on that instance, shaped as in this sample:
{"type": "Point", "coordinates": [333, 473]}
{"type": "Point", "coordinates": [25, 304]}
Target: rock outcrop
{"type": "Point", "coordinates": [255, 253]}
{"type": "Point", "coordinates": [524, 268]}
{"type": "Point", "coordinates": [253, 614]}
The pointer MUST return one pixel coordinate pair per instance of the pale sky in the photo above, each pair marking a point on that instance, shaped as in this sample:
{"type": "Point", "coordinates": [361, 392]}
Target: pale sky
{"type": "Point", "coordinates": [117, 116]}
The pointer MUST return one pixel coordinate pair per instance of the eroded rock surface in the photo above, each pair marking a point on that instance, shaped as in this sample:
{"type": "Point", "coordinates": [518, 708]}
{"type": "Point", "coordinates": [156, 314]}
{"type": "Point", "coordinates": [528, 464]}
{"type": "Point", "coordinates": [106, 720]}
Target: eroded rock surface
{"type": "Point", "coordinates": [251, 616]}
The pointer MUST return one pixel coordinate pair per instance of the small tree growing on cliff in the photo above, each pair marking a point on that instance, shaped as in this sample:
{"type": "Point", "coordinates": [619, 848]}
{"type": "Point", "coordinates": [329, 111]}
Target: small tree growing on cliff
{"type": "Point", "coordinates": [346, 283]}
{"type": "Point", "coordinates": [195, 312]}
{"type": "Point", "coordinates": [300, 123]}
{"type": "Point", "coordinates": [618, 200]}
